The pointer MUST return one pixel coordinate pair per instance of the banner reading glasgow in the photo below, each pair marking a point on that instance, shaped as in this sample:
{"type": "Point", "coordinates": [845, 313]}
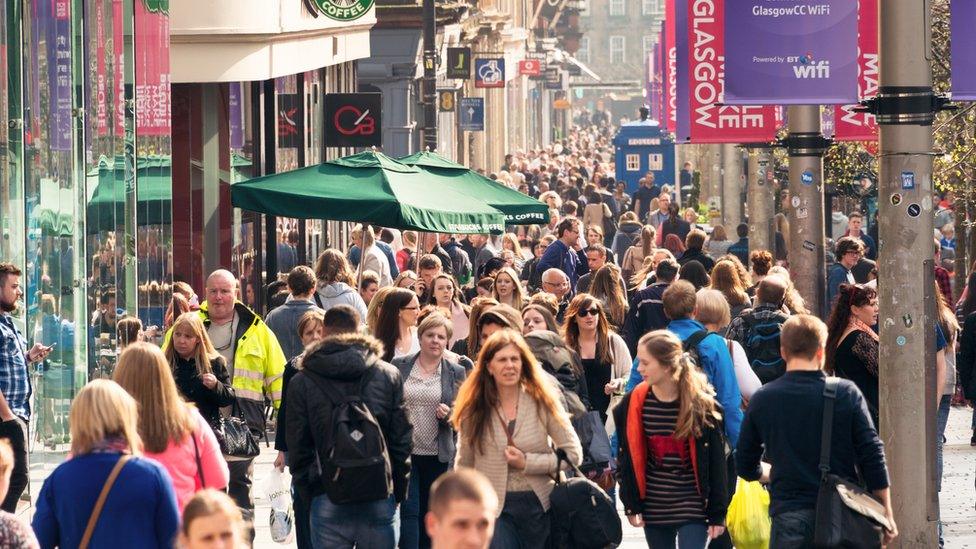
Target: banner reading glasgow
{"type": "Point", "coordinates": [962, 20]}
{"type": "Point", "coordinates": [791, 52]}
{"type": "Point", "coordinates": [849, 124]}
{"type": "Point", "coordinates": [682, 131]}
{"type": "Point", "coordinates": [711, 122]}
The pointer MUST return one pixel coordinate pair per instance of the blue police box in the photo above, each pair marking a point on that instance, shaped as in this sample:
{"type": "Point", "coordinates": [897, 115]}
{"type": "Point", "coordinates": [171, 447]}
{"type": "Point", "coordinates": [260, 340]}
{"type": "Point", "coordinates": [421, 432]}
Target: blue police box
{"type": "Point", "coordinates": [641, 147]}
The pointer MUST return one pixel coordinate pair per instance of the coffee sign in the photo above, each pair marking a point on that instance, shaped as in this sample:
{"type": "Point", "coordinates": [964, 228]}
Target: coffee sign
{"type": "Point", "coordinates": [340, 10]}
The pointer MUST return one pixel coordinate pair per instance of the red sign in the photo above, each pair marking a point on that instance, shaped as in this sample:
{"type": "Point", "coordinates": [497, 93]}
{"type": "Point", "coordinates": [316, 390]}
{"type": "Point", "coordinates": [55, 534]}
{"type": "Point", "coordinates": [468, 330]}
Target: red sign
{"type": "Point", "coordinates": [152, 71]}
{"type": "Point", "coordinates": [670, 69]}
{"type": "Point", "coordinates": [711, 123]}
{"type": "Point", "coordinates": [861, 126]}
{"type": "Point", "coordinates": [530, 67]}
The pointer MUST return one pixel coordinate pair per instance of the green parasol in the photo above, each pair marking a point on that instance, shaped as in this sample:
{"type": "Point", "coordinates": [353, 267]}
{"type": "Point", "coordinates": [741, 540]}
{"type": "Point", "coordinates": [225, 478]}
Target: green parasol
{"type": "Point", "coordinates": [368, 187]}
{"type": "Point", "coordinates": [518, 208]}
{"type": "Point", "coordinates": [106, 208]}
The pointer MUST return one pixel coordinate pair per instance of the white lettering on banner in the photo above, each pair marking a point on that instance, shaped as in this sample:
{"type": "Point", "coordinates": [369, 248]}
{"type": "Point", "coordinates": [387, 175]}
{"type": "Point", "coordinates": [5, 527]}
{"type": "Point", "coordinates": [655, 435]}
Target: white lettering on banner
{"type": "Point", "coordinates": [672, 84]}
{"type": "Point", "coordinates": [733, 116]}
{"type": "Point", "coordinates": [818, 70]}
{"type": "Point", "coordinates": [643, 141]}
{"type": "Point", "coordinates": [801, 10]}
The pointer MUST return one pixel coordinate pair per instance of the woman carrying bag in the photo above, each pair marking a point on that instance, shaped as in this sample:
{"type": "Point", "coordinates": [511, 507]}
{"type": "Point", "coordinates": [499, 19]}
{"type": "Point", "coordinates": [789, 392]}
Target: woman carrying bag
{"type": "Point", "coordinates": [671, 463]}
{"type": "Point", "coordinates": [107, 494]}
{"type": "Point", "coordinates": [198, 369]}
{"type": "Point", "coordinates": [508, 416]}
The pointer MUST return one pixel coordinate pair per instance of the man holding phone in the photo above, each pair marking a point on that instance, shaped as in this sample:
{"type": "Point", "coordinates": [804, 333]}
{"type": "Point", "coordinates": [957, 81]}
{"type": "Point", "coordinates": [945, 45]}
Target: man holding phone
{"type": "Point", "coordinates": [15, 386]}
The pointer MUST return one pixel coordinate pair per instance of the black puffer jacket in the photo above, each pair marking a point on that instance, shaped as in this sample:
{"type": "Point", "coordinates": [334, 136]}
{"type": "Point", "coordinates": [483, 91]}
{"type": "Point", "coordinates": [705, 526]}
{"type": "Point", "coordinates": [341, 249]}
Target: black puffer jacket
{"type": "Point", "coordinates": [342, 360]}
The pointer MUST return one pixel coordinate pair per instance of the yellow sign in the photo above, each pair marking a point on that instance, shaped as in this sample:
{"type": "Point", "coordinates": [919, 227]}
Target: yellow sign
{"type": "Point", "coordinates": [446, 100]}
{"type": "Point", "coordinates": [560, 104]}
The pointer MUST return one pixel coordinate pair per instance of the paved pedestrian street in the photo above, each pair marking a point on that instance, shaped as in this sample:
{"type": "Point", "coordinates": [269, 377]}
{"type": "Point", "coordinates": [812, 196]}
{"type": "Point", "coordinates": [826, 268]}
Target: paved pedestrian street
{"type": "Point", "coordinates": [958, 496]}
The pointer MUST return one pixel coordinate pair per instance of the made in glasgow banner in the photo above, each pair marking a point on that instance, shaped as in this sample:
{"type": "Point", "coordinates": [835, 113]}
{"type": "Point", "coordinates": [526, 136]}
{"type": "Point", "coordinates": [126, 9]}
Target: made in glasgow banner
{"type": "Point", "coordinates": [962, 21]}
{"type": "Point", "coordinates": [710, 122]}
{"type": "Point", "coordinates": [850, 125]}
{"type": "Point", "coordinates": [791, 52]}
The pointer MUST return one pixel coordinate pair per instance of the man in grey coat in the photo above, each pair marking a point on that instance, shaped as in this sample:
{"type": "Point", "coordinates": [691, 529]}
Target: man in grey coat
{"type": "Point", "coordinates": [283, 320]}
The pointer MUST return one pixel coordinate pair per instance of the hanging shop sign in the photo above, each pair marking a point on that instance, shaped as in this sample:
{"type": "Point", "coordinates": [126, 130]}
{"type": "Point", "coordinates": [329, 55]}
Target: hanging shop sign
{"type": "Point", "coordinates": [850, 125]}
{"type": "Point", "coordinates": [791, 52]}
{"type": "Point", "coordinates": [446, 100]}
{"type": "Point", "coordinates": [709, 121]}
{"type": "Point", "coordinates": [353, 120]}
{"type": "Point", "coordinates": [554, 79]}
{"type": "Point", "coordinates": [340, 10]}
{"type": "Point", "coordinates": [530, 67]}
{"type": "Point", "coordinates": [459, 63]}
{"type": "Point", "coordinates": [472, 112]}
{"type": "Point", "coordinates": [489, 73]}
{"type": "Point", "coordinates": [289, 112]}
{"type": "Point", "coordinates": [962, 21]}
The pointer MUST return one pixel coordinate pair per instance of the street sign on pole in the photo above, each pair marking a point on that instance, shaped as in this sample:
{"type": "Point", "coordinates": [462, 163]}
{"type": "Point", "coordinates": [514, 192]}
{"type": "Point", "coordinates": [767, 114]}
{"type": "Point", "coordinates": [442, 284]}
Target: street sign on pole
{"type": "Point", "coordinates": [472, 112]}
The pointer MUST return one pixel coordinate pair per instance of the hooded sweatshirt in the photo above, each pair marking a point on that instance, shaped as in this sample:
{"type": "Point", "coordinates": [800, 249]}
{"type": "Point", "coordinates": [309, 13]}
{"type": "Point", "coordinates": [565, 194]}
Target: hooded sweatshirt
{"type": "Point", "coordinates": [340, 293]}
{"type": "Point", "coordinates": [627, 235]}
{"type": "Point", "coordinates": [283, 321]}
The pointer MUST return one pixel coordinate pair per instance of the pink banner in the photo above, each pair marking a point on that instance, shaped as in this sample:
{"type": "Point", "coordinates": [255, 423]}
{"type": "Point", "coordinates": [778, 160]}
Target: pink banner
{"type": "Point", "coordinates": [711, 123]}
{"type": "Point", "coordinates": [861, 126]}
{"type": "Point", "coordinates": [101, 80]}
{"type": "Point", "coordinates": [118, 80]}
{"type": "Point", "coordinates": [670, 69]}
{"type": "Point", "coordinates": [152, 70]}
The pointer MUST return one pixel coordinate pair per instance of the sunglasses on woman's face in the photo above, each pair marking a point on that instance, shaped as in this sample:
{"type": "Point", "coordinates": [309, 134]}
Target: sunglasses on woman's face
{"type": "Point", "coordinates": [583, 313]}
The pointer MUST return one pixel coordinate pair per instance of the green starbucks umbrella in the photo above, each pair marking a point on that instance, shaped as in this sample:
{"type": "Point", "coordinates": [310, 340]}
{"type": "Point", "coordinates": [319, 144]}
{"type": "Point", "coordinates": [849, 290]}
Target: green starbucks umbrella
{"type": "Point", "coordinates": [368, 187]}
{"type": "Point", "coordinates": [518, 208]}
{"type": "Point", "coordinates": [106, 207]}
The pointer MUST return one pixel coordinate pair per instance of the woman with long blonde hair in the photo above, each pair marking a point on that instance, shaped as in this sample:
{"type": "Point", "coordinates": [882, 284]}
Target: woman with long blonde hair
{"type": "Point", "coordinates": [672, 461]}
{"type": "Point", "coordinates": [508, 289]}
{"type": "Point", "coordinates": [106, 448]}
{"type": "Point", "coordinates": [507, 414]}
{"type": "Point", "coordinates": [608, 288]}
{"type": "Point", "coordinates": [173, 432]}
{"type": "Point", "coordinates": [198, 369]}
{"type": "Point", "coordinates": [726, 279]}
{"type": "Point", "coordinates": [634, 257]}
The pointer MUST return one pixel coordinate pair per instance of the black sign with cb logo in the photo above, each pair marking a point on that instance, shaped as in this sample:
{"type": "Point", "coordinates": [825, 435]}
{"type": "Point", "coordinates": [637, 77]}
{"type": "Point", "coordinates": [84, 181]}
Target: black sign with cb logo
{"type": "Point", "coordinates": [459, 63]}
{"type": "Point", "coordinates": [446, 100]}
{"type": "Point", "coordinates": [353, 120]}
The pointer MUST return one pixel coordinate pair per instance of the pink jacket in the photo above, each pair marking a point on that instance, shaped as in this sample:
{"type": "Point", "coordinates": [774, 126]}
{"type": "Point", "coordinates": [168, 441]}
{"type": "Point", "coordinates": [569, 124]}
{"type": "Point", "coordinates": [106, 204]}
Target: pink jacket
{"type": "Point", "coordinates": [180, 462]}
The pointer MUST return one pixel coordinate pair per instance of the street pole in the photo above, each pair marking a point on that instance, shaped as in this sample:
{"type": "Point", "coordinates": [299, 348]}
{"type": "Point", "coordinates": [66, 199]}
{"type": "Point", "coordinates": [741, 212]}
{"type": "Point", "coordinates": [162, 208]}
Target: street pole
{"type": "Point", "coordinates": [429, 96]}
{"type": "Point", "coordinates": [731, 188]}
{"type": "Point", "coordinates": [905, 108]}
{"type": "Point", "coordinates": [760, 201]}
{"type": "Point", "coordinates": [805, 212]}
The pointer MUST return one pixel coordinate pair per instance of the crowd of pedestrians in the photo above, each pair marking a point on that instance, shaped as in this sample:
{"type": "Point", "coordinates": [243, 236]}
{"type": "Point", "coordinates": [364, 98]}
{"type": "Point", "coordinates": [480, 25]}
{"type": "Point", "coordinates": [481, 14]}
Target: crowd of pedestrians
{"type": "Point", "coordinates": [428, 390]}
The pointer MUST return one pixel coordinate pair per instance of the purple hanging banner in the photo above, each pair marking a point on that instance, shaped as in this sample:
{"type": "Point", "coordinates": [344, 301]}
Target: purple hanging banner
{"type": "Point", "coordinates": [236, 117]}
{"type": "Point", "coordinates": [791, 52]}
{"type": "Point", "coordinates": [962, 20]}
{"type": "Point", "coordinates": [682, 132]}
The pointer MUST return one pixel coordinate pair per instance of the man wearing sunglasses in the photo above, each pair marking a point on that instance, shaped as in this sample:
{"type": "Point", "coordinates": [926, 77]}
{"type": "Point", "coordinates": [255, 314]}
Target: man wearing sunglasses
{"type": "Point", "coordinates": [848, 251]}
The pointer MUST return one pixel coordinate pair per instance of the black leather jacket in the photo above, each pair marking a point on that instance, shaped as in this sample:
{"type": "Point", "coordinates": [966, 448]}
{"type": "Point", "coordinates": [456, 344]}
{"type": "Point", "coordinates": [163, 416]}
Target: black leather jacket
{"type": "Point", "coordinates": [190, 383]}
{"type": "Point", "coordinates": [342, 360]}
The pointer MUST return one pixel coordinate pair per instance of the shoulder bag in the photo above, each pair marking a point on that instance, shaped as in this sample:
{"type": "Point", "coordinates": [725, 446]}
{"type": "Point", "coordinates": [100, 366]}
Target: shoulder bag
{"type": "Point", "coordinates": [846, 514]}
{"type": "Point", "coordinates": [196, 454]}
{"type": "Point", "coordinates": [234, 436]}
{"type": "Point", "coordinates": [100, 502]}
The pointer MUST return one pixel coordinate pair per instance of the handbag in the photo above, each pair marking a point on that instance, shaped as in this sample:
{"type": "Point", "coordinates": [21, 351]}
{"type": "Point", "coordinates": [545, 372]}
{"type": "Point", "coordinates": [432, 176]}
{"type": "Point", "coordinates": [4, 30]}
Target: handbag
{"type": "Point", "coordinates": [234, 436]}
{"type": "Point", "coordinates": [846, 514]}
{"type": "Point", "coordinates": [100, 502]}
{"type": "Point", "coordinates": [581, 513]}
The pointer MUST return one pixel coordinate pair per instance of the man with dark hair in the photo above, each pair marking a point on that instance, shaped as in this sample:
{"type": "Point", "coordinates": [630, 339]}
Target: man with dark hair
{"type": "Point", "coordinates": [430, 245]}
{"type": "Point", "coordinates": [484, 249]}
{"type": "Point", "coordinates": [643, 196]}
{"type": "Point", "coordinates": [15, 386]}
{"type": "Point", "coordinates": [428, 267]}
{"type": "Point", "coordinates": [694, 243]}
{"type": "Point", "coordinates": [714, 358]}
{"type": "Point", "coordinates": [283, 320]}
{"type": "Point", "coordinates": [740, 248]}
{"type": "Point", "coordinates": [784, 425]}
{"type": "Point", "coordinates": [287, 252]}
{"type": "Point", "coordinates": [341, 319]}
{"type": "Point", "coordinates": [854, 223]}
{"type": "Point", "coordinates": [345, 364]}
{"type": "Point", "coordinates": [561, 254]}
{"type": "Point", "coordinates": [646, 311]}
{"type": "Point", "coordinates": [758, 329]}
{"type": "Point", "coordinates": [848, 251]}
{"type": "Point", "coordinates": [596, 257]}
{"type": "Point", "coordinates": [463, 507]}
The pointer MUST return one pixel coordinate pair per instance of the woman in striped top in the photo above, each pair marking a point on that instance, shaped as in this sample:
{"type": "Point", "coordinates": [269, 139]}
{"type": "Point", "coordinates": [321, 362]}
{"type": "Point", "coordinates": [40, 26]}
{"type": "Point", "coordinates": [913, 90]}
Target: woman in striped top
{"type": "Point", "coordinates": [672, 455]}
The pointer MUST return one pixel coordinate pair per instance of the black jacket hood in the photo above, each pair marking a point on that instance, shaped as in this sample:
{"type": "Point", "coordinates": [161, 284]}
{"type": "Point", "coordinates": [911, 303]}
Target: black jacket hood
{"type": "Point", "coordinates": [342, 357]}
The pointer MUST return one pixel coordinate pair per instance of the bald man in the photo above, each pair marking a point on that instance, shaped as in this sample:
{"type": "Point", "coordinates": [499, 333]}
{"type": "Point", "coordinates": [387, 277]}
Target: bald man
{"type": "Point", "coordinates": [555, 282]}
{"type": "Point", "coordinates": [255, 362]}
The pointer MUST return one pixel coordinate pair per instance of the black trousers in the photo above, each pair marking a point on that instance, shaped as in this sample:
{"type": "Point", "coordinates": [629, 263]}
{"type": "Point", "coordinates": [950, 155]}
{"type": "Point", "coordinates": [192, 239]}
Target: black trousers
{"type": "Point", "coordinates": [239, 489]}
{"type": "Point", "coordinates": [15, 431]}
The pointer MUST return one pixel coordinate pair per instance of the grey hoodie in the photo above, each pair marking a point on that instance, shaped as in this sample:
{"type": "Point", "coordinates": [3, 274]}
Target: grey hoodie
{"type": "Point", "coordinates": [283, 321]}
{"type": "Point", "coordinates": [340, 293]}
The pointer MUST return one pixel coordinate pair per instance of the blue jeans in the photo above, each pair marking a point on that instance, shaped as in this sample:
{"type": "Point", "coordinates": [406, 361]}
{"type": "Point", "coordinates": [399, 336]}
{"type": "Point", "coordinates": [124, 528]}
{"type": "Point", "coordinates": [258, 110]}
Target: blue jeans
{"type": "Point", "coordinates": [690, 535]}
{"type": "Point", "coordinates": [793, 529]}
{"type": "Point", "coordinates": [424, 471]}
{"type": "Point", "coordinates": [351, 525]}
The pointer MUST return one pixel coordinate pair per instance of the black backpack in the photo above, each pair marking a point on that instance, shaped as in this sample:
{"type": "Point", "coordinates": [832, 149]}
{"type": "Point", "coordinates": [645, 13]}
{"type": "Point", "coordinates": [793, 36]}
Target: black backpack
{"type": "Point", "coordinates": [690, 346]}
{"type": "Point", "coordinates": [356, 467]}
{"type": "Point", "coordinates": [762, 346]}
{"type": "Point", "coordinates": [583, 516]}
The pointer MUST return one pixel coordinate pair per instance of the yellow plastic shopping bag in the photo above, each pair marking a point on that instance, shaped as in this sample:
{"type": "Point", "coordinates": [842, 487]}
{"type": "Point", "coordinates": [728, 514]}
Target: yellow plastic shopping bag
{"type": "Point", "coordinates": [748, 517]}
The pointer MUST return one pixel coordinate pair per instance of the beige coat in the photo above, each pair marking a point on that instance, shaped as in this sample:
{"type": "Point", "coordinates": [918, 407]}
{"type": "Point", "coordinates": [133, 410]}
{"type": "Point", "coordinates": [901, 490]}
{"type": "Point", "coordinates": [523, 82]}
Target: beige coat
{"type": "Point", "coordinates": [534, 429]}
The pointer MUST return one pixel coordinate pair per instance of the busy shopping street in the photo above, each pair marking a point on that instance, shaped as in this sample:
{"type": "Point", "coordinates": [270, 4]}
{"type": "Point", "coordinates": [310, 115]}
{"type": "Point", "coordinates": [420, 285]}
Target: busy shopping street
{"type": "Point", "coordinates": [487, 274]}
